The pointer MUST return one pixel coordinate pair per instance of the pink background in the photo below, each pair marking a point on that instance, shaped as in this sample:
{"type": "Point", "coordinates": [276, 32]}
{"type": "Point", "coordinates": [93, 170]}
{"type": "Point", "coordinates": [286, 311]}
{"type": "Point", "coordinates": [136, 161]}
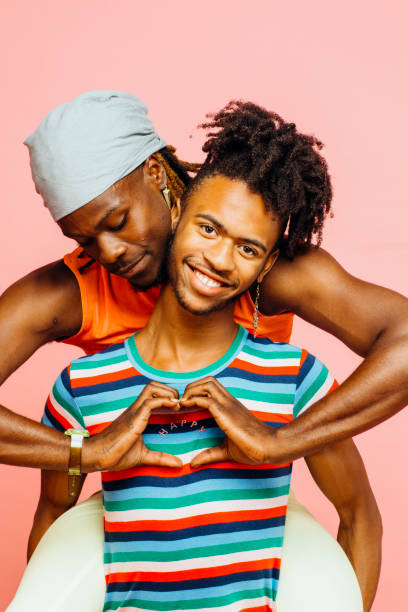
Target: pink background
{"type": "Point", "coordinates": [336, 69]}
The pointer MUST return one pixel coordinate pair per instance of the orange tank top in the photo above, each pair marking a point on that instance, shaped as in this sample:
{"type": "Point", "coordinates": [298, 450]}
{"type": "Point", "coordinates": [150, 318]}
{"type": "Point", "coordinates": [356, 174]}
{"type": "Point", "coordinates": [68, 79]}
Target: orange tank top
{"type": "Point", "coordinates": [112, 310]}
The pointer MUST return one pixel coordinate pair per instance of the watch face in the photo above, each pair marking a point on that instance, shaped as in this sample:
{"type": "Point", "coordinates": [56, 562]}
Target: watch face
{"type": "Point", "coordinates": [80, 432]}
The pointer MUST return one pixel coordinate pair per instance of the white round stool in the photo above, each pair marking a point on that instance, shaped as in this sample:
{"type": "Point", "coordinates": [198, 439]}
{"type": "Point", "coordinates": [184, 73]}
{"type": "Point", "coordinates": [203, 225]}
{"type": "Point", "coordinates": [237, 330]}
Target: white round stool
{"type": "Point", "coordinates": [65, 572]}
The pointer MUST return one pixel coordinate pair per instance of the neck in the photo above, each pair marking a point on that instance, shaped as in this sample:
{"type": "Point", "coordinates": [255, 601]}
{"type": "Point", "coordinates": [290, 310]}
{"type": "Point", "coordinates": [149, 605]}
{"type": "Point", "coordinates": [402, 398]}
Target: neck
{"type": "Point", "coordinates": [176, 340]}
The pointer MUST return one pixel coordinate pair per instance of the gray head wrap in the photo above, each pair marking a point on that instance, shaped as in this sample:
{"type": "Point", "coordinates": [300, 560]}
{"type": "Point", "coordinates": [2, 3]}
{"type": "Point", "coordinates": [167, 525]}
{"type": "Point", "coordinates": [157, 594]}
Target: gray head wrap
{"type": "Point", "coordinates": [83, 147]}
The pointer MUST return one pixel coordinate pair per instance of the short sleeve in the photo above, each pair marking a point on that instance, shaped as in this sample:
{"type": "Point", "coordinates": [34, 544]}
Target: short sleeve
{"type": "Point", "coordinates": [314, 381]}
{"type": "Point", "coordinates": [61, 411]}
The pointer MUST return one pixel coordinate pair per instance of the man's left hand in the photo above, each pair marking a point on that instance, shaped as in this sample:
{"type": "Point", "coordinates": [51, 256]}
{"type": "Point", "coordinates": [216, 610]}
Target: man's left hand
{"type": "Point", "coordinates": [246, 437]}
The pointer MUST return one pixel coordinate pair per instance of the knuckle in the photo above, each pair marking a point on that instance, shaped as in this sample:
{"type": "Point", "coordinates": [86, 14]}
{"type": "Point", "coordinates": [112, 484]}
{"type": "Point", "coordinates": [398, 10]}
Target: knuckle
{"type": "Point", "coordinates": [148, 402]}
{"type": "Point", "coordinates": [105, 464]}
{"type": "Point", "coordinates": [153, 386]}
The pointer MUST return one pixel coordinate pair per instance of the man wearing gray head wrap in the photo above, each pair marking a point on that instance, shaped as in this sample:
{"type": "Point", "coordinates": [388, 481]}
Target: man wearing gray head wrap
{"type": "Point", "coordinates": [81, 152]}
{"type": "Point", "coordinates": [85, 146]}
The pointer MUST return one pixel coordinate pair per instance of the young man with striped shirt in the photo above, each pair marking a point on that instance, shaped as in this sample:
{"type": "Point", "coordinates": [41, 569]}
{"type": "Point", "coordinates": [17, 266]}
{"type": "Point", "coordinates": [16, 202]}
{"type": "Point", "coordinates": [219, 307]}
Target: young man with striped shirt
{"type": "Point", "coordinates": [203, 527]}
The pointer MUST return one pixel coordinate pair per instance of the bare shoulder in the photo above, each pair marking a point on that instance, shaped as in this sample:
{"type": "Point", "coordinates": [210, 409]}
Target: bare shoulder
{"type": "Point", "coordinates": [316, 277]}
{"type": "Point", "coordinates": [316, 287]}
{"type": "Point", "coordinates": [290, 282]}
{"type": "Point", "coordinates": [46, 301]}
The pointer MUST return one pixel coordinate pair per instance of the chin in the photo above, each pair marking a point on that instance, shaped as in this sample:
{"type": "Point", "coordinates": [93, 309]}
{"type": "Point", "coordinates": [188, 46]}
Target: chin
{"type": "Point", "coordinates": [144, 283]}
{"type": "Point", "coordinates": [203, 309]}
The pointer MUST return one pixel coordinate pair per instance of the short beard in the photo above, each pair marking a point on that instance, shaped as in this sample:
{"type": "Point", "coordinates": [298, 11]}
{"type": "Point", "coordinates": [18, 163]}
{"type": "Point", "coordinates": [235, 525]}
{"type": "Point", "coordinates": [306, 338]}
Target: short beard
{"type": "Point", "coordinates": [202, 313]}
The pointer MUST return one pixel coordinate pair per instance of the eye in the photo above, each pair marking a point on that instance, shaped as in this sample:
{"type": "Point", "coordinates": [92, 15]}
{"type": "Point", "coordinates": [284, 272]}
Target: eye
{"type": "Point", "coordinates": [120, 225]}
{"type": "Point", "coordinates": [208, 230]}
{"type": "Point", "coordinates": [247, 250]}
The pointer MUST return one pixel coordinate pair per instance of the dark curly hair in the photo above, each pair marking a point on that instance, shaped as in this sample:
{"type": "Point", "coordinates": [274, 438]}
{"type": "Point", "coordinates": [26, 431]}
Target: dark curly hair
{"type": "Point", "coordinates": [274, 160]}
{"type": "Point", "coordinates": [272, 157]}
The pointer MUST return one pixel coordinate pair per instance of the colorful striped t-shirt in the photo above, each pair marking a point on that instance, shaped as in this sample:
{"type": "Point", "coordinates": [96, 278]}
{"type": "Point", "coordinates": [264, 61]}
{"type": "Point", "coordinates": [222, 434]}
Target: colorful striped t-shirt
{"type": "Point", "coordinates": [191, 539]}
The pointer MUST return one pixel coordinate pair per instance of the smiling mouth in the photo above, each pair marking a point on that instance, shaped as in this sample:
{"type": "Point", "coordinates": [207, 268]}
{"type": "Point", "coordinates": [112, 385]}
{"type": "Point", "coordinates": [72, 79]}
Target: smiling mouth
{"type": "Point", "coordinates": [208, 280]}
{"type": "Point", "coordinates": [129, 269]}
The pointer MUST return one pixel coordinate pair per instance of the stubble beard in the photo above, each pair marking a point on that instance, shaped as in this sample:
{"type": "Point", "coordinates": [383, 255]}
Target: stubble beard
{"type": "Point", "coordinates": [215, 307]}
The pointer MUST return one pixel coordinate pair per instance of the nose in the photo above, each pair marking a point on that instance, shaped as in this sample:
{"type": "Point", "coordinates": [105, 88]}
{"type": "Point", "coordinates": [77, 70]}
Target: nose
{"type": "Point", "coordinates": [110, 249]}
{"type": "Point", "coordinates": [220, 255]}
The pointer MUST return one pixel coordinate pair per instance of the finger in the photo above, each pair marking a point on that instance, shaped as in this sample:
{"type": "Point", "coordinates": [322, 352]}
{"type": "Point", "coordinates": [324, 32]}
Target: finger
{"type": "Point", "coordinates": [201, 401]}
{"type": "Point", "coordinates": [198, 383]}
{"type": "Point", "coordinates": [210, 404]}
{"type": "Point", "coordinates": [118, 446]}
{"type": "Point", "coordinates": [152, 403]}
{"type": "Point", "coordinates": [156, 389]}
{"type": "Point", "coordinates": [138, 415]}
{"type": "Point", "coordinates": [211, 455]}
{"type": "Point", "coordinates": [163, 389]}
{"type": "Point", "coordinates": [133, 421]}
{"type": "Point", "coordinates": [150, 457]}
{"type": "Point", "coordinates": [207, 403]}
{"type": "Point", "coordinates": [208, 386]}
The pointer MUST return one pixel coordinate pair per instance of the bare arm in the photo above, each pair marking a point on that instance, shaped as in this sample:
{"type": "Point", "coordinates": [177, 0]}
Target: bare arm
{"type": "Point", "coordinates": [43, 306]}
{"type": "Point", "coordinates": [370, 320]}
{"type": "Point", "coordinates": [340, 474]}
{"type": "Point", "coordinates": [54, 501]}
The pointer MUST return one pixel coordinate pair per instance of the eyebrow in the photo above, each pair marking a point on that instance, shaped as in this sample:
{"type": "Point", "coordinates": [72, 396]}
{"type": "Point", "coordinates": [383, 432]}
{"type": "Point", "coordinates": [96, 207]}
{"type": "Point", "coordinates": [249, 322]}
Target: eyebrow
{"type": "Point", "coordinates": [221, 227]}
{"type": "Point", "coordinates": [97, 226]}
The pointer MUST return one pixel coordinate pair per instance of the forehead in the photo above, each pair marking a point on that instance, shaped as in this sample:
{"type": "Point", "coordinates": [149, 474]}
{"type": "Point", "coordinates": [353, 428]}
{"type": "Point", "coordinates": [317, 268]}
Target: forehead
{"type": "Point", "coordinates": [125, 191]}
{"type": "Point", "coordinates": [235, 207]}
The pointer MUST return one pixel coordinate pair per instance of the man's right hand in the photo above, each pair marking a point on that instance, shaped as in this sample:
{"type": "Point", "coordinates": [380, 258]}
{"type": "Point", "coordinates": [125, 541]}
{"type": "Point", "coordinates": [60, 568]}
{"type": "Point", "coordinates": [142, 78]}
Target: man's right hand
{"type": "Point", "coordinates": [120, 446]}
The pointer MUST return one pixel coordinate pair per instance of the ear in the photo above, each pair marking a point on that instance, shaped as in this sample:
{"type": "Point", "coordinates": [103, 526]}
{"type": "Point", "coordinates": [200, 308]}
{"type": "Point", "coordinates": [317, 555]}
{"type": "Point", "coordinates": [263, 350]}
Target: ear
{"type": "Point", "coordinates": [175, 213]}
{"type": "Point", "coordinates": [270, 262]}
{"type": "Point", "coordinates": [154, 172]}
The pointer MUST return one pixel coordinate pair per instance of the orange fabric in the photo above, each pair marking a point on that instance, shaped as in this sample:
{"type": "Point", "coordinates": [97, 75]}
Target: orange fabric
{"type": "Point", "coordinates": [112, 310]}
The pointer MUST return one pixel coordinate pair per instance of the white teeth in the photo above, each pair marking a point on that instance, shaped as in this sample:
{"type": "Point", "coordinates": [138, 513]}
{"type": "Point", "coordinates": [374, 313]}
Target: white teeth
{"type": "Point", "coordinates": [209, 282]}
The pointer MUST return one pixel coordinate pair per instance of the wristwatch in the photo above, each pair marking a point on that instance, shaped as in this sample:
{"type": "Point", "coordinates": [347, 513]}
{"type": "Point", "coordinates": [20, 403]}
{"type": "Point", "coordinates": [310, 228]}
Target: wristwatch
{"type": "Point", "coordinates": [74, 467]}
